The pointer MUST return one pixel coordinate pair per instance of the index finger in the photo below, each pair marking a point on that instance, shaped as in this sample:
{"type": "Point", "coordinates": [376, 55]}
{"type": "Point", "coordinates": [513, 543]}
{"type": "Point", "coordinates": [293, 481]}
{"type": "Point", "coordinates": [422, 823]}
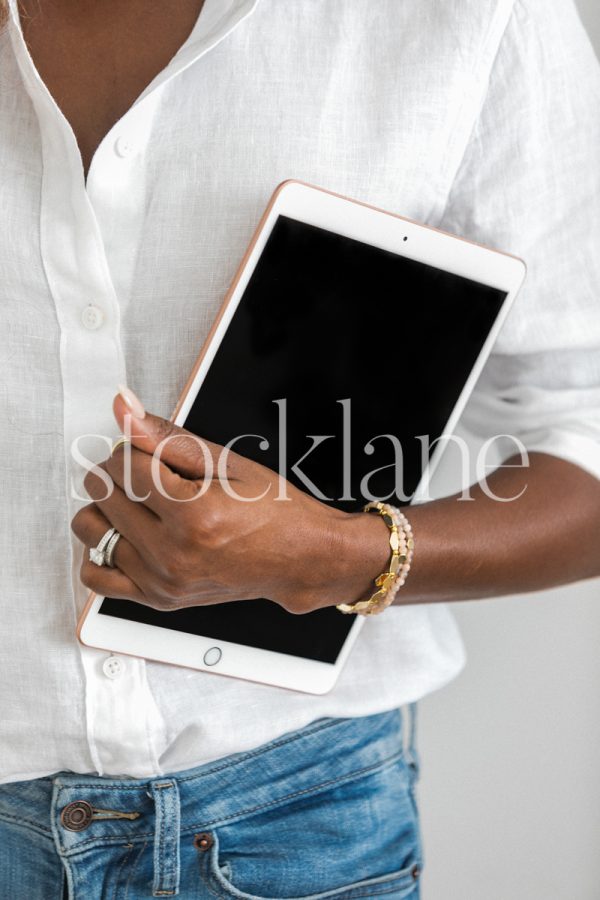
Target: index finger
{"type": "Point", "coordinates": [145, 479]}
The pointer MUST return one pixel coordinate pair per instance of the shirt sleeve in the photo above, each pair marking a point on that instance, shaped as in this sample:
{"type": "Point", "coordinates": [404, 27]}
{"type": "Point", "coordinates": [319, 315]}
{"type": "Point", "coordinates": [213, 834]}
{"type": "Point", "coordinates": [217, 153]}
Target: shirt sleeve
{"type": "Point", "coordinates": [529, 184]}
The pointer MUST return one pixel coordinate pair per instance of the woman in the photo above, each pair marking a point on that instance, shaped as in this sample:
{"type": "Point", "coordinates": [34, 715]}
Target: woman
{"type": "Point", "coordinates": [138, 145]}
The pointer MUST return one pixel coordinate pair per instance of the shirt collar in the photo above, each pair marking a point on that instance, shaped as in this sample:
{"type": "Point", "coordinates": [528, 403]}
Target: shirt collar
{"type": "Point", "coordinates": [217, 19]}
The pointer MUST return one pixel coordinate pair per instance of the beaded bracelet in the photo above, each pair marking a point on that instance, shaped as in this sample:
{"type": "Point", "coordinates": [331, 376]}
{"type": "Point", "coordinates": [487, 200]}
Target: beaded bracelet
{"type": "Point", "coordinates": [389, 582]}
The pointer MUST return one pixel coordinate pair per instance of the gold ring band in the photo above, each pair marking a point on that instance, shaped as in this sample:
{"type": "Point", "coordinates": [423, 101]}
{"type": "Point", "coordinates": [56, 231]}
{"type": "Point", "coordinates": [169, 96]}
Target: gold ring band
{"type": "Point", "coordinates": [119, 443]}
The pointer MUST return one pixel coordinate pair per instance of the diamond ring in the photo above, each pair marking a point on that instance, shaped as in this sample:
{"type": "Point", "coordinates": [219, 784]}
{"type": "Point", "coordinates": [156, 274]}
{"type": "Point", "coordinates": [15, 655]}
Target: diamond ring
{"type": "Point", "coordinates": [110, 549]}
{"type": "Point", "coordinates": [97, 552]}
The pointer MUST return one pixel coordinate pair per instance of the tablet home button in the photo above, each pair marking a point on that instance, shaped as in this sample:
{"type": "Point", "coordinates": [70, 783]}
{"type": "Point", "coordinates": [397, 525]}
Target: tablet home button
{"type": "Point", "coordinates": [212, 656]}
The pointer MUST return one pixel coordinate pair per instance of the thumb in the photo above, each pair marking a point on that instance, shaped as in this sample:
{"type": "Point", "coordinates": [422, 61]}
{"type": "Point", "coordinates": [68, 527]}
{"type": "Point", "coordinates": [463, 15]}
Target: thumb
{"type": "Point", "coordinates": [180, 450]}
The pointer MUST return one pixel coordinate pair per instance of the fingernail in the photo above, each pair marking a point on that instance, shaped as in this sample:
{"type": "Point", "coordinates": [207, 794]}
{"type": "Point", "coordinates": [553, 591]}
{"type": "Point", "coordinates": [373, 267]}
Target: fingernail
{"type": "Point", "coordinates": [136, 407]}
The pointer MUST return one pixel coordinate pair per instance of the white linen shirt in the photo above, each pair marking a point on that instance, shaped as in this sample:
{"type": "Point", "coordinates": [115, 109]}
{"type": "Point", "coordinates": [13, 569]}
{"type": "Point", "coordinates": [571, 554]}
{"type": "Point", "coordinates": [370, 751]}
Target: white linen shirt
{"type": "Point", "coordinates": [479, 116]}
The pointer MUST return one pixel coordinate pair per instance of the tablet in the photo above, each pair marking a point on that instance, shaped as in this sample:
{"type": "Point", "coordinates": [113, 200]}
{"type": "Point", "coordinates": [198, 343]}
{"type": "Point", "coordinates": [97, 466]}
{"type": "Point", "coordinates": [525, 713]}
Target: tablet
{"type": "Point", "coordinates": [348, 333]}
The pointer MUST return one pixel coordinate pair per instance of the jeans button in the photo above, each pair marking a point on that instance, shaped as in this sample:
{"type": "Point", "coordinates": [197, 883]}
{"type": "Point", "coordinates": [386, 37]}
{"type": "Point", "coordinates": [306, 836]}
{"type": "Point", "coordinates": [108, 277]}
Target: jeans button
{"type": "Point", "coordinates": [77, 816]}
{"type": "Point", "coordinates": [203, 841]}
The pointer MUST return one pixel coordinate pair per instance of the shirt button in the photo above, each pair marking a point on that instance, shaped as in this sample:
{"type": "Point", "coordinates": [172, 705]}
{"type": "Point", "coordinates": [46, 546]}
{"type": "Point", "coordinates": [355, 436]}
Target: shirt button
{"type": "Point", "coordinates": [113, 667]}
{"type": "Point", "coordinates": [123, 147]}
{"type": "Point", "coordinates": [92, 317]}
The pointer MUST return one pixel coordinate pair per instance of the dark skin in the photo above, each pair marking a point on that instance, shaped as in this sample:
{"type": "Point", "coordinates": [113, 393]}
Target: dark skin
{"type": "Point", "coordinates": [96, 60]}
{"type": "Point", "coordinates": [301, 554]}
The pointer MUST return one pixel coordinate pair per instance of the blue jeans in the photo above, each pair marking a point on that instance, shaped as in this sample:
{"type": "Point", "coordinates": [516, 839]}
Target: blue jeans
{"type": "Point", "coordinates": [324, 812]}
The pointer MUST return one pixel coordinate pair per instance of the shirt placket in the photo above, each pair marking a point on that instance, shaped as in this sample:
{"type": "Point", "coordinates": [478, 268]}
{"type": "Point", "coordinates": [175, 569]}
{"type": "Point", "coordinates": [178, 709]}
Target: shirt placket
{"type": "Point", "coordinates": [119, 706]}
{"type": "Point", "coordinates": [81, 229]}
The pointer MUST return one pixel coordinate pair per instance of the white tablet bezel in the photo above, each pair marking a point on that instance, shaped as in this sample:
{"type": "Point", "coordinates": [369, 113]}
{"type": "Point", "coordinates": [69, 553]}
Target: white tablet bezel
{"type": "Point", "coordinates": [350, 218]}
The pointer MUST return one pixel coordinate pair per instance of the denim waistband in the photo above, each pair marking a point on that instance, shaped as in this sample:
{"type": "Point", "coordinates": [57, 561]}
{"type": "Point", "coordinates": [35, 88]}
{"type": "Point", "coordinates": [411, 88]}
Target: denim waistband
{"type": "Point", "coordinates": [324, 753]}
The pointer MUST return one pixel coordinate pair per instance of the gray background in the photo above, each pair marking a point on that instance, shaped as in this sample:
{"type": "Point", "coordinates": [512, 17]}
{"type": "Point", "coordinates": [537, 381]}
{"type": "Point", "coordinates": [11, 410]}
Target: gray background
{"type": "Point", "coordinates": [510, 787]}
{"type": "Point", "coordinates": [590, 13]}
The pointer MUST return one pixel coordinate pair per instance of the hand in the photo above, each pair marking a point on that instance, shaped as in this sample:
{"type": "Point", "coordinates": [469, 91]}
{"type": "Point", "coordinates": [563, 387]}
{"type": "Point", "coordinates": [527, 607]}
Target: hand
{"type": "Point", "coordinates": [192, 541]}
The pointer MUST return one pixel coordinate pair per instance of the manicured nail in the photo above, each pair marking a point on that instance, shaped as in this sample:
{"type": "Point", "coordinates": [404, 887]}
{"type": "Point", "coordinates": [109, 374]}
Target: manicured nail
{"type": "Point", "coordinates": [136, 407]}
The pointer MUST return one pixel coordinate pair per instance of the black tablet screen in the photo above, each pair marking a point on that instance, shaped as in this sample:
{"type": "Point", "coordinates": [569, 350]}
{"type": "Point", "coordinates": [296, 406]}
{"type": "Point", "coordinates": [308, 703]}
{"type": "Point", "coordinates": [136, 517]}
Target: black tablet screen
{"type": "Point", "coordinates": [335, 338]}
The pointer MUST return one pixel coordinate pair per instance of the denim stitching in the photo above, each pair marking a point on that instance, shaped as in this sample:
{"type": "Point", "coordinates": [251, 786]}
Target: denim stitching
{"type": "Point", "coordinates": [120, 869]}
{"type": "Point", "coordinates": [162, 812]}
{"type": "Point", "coordinates": [69, 878]}
{"type": "Point", "coordinates": [351, 776]}
{"type": "Point", "coordinates": [259, 751]}
{"type": "Point", "coordinates": [377, 890]}
{"type": "Point", "coordinates": [352, 896]}
{"type": "Point", "coordinates": [133, 868]}
{"type": "Point", "coordinates": [108, 839]}
{"type": "Point", "coordinates": [194, 826]}
{"type": "Point", "coordinates": [163, 816]}
{"type": "Point", "coordinates": [348, 893]}
{"type": "Point", "coordinates": [34, 826]}
{"type": "Point", "coordinates": [161, 805]}
{"type": "Point", "coordinates": [202, 866]}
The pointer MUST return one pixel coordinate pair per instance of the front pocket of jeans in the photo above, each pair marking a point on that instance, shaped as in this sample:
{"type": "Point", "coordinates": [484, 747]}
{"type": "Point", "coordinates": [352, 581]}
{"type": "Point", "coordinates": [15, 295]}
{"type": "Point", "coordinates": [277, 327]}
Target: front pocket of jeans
{"type": "Point", "coordinates": [355, 840]}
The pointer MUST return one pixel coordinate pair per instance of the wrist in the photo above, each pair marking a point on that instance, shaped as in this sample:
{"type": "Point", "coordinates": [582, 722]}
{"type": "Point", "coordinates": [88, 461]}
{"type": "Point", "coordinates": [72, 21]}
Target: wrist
{"type": "Point", "coordinates": [346, 562]}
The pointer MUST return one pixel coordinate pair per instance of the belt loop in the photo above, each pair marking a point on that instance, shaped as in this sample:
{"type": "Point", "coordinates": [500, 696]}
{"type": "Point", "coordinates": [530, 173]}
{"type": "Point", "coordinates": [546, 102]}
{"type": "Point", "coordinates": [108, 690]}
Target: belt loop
{"type": "Point", "coordinates": [411, 750]}
{"type": "Point", "coordinates": [166, 838]}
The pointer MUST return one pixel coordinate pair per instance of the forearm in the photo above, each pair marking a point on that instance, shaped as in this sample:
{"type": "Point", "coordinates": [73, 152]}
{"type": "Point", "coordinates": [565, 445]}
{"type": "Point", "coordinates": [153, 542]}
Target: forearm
{"type": "Point", "coordinates": [304, 554]}
{"type": "Point", "coordinates": [467, 549]}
